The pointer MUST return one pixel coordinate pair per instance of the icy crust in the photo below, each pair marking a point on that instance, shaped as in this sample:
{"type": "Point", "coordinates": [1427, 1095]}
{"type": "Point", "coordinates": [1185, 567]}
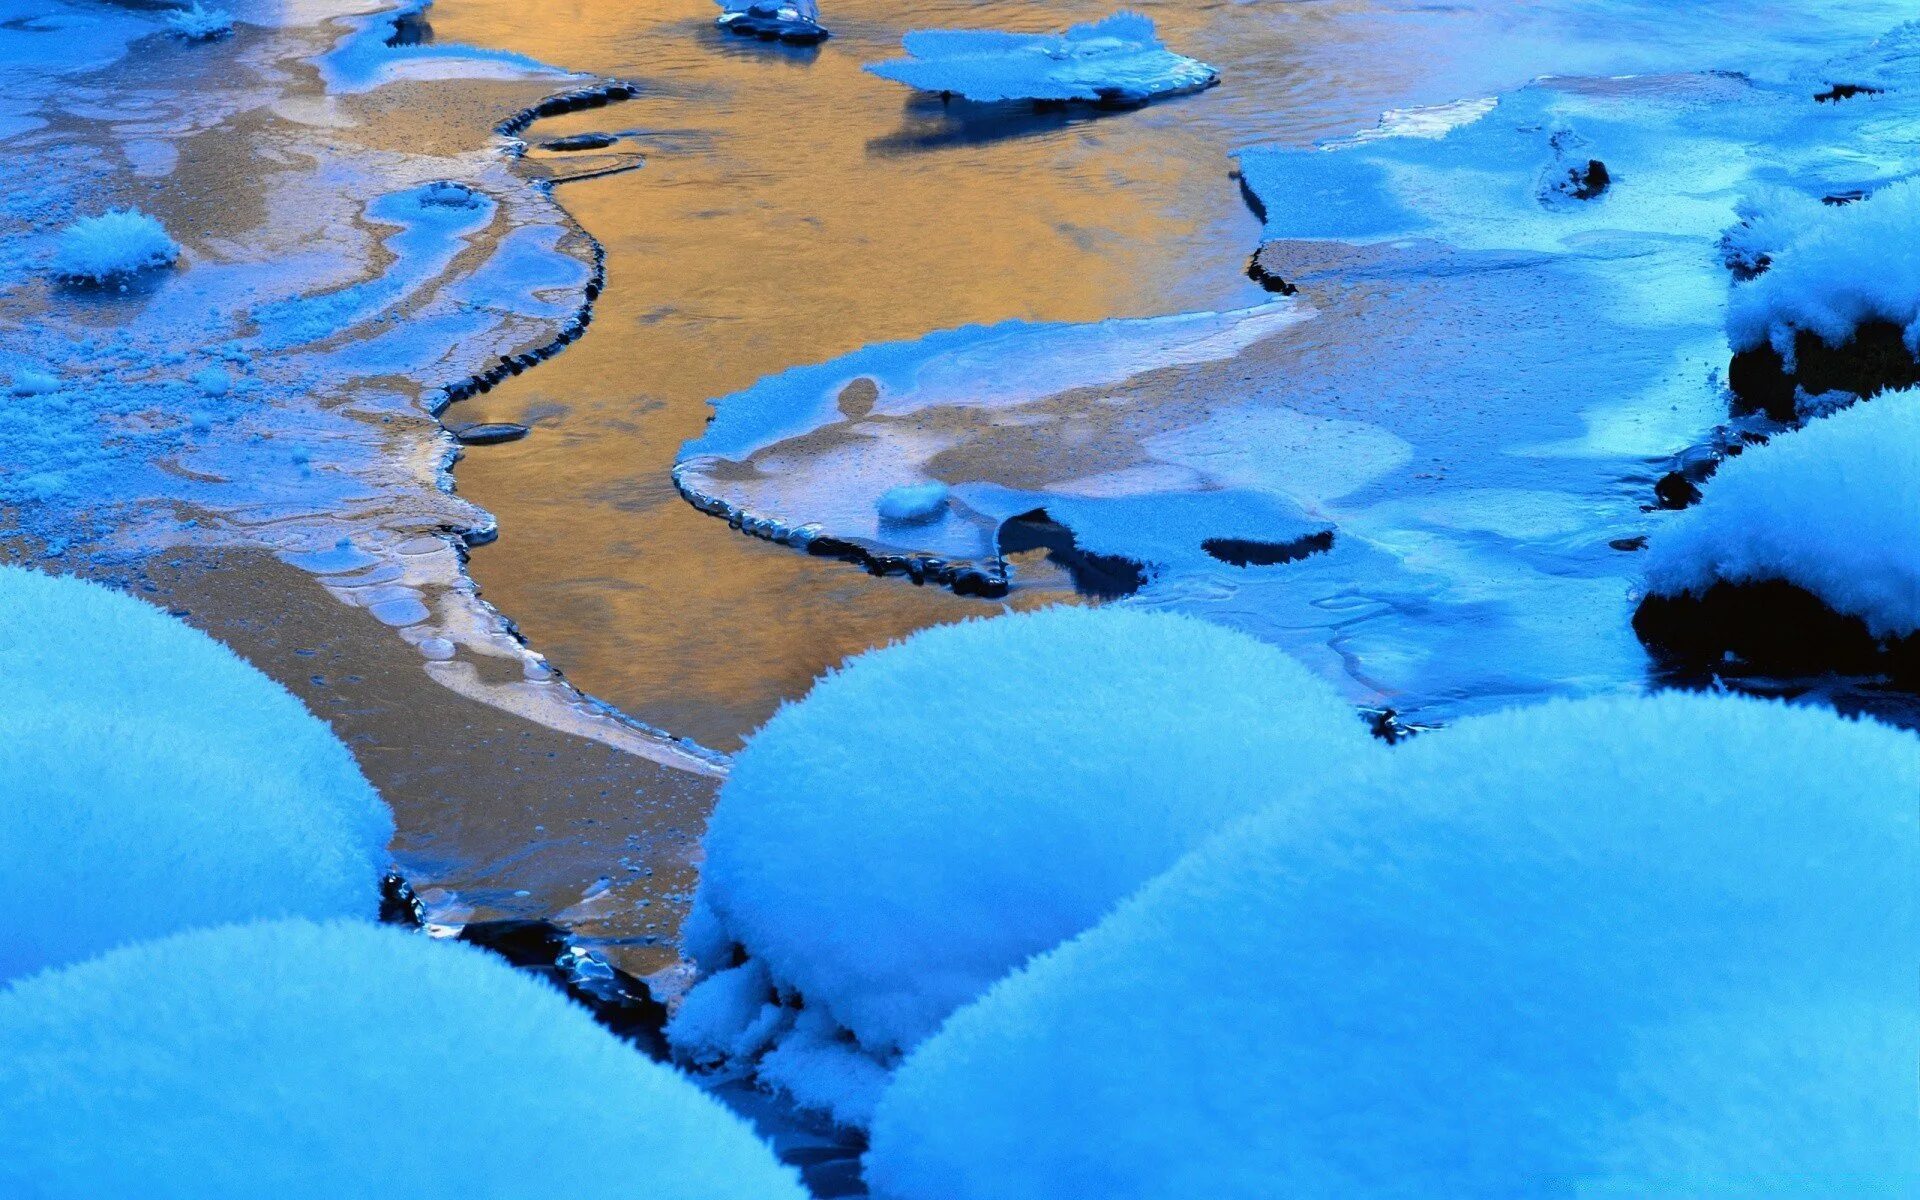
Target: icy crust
{"type": "Point", "coordinates": [939, 810]}
{"type": "Point", "coordinates": [112, 246]}
{"type": "Point", "coordinates": [796, 21]}
{"type": "Point", "coordinates": [349, 1060]}
{"type": "Point", "coordinates": [1832, 508]}
{"type": "Point", "coordinates": [1118, 60]}
{"type": "Point", "coordinates": [197, 23]}
{"type": "Point", "coordinates": [154, 782]}
{"type": "Point", "coordinates": [1614, 947]}
{"type": "Point", "coordinates": [1829, 270]}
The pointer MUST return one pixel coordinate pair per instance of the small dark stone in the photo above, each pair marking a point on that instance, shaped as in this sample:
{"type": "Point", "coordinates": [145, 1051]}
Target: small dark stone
{"type": "Point", "coordinates": [398, 904]}
{"type": "Point", "coordinates": [1676, 491]}
{"type": "Point", "coordinates": [524, 943]}
{"type": "Point", "coordinates": [580, 141]}
{"type": "Point", "coordinates": [1246, 552]}
{"type": "Point", "coordinates": [1846, 91]}
{"type": "Point", "coordinates": [489, 433]}
{"type": "Point", "coordinates": [1589, 181]}
{"type": "Point", "coordinates": [1629, 544]}
{"type": "Point", "coordinates": [1105, 576]}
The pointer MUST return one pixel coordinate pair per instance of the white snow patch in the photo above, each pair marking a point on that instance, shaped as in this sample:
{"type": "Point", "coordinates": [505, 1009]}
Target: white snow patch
{"type": "Point", "coordinates": [1632, 946]}
{"type": "Point", "coordinates": [113, 245]}
{"type": "Point", "coordinates": [197, 23]}
{"type": "Point", "coordinates": [937, 811]}
{"type": "Point", "coordinates": [154, 782]}
{"type": "Point", "coordinates": [1833, 508]}
{"type": "Point", "coordinates": [31, 382]}
{"type": "Point", "coordinates": [1117, 60]}
{"type": "Point", "coordinates": [343, 1059]}
{"type": "Point", "coordinates": [1833, 269]}
{"type": "Point", "coordinates": [912, 502]}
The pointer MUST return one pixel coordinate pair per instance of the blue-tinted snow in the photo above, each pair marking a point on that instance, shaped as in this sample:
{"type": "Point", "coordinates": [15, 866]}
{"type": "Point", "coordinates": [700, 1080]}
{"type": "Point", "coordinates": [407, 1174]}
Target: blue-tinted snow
{"type": "Point", "coordinates": [1118, 60]}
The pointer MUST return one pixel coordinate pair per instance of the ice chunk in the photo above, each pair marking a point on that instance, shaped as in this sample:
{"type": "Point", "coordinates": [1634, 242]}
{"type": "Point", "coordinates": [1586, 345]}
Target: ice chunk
{"type": "Point", "coordinates": [1832, 269]}
{"type": "Point", "coordinates": [912, 502]}
{"type": "Point", "coordinates": [937, 811]}
{"type": "Point", "coordinates": [156, 782]}
{"type": "Point", "coordinates": [1832, 508]}
{"type": "Point", "coordinates": [197, 23]}
{"type": "Point", "coordinates": [343, 1059]}
{"type": "Point", "coordinates": [111, 246]}
{"type": "Point", "coordinates": [1631, 946]}
{"type": "Point", "coordinates": [795, 21]}
{"type": "Point", "coordinates": [1119, 60]}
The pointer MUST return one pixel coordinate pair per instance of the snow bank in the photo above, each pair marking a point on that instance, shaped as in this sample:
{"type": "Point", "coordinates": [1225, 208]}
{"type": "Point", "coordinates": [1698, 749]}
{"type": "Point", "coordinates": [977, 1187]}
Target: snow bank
{"type": "Point", "coordinates": [1116, 60]}
{"type": "Point", "coordinates": [1832, 508]}
{"type": "Point", "coordinates": [155, 782]}
{"type": "Point", "coordinates": [1833, 269]}
{"type": "Point", "coordinates": [935, 812]}
{"type": "Point", "coordinates": [197, 23]}
{"type": "Point", "coordinates": [786, 20]}
{"type": "Point", "coordinates": [112, 246]}
{"type": "Point", "coordinates": [1623, 946]}
{"type": "Point", "coordinates": [913, 502]}
{"type": "Point", "coordinates": [345, 1060]}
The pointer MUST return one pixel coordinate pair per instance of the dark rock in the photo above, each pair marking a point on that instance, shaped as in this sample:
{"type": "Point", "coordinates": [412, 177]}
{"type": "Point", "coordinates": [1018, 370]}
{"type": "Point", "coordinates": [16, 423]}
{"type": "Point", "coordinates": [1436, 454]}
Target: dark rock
{"type": "Point", "coordinates": [1874, 360]}
{"type": "Point", "coordinates": [1245, 552]}
{"type": "Point", "coordinates": [1262, 272]}
{"type": "Point", "coordinates": [1589, 181]}
{"type": "Point", "coordinates": [580, 141]}
{"type": "Point", "coordinates": [1846, 91]}
{"type": "Point", "coordinates": [1105, 576]}
{"type": "Point", "coordinates": [1629, 544]}
{"type": "Point", "coordinates": [1676, 491]}
{"type": "Point", "coordinates": [489, 433]}
{"type": "Point", "coordinates": [622, 1003]}
{"type": "Point", "coordinates": [524, 943]}
{"type": "Point", "coordinates": [1773, 628]}
{"type": "Point", "coordinates": [398, 904]}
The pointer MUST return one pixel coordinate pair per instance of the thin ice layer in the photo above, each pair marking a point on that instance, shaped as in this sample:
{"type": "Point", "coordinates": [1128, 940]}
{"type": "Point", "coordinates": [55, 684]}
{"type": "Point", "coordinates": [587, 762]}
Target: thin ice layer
{"type": "Point", "coordinates": [1119, 59]}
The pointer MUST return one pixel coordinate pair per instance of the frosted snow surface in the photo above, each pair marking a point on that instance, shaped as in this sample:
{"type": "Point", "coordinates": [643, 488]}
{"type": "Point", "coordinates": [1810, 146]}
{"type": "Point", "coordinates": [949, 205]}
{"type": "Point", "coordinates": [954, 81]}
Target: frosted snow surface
{"type": "Point", "coordinates": [111, 246]}
{"type": "Point", "coordinates": [939, 810]}
{"type": "Point", "coordinates": [1833, 508]}
{"type": "Point", "coordinates": [788, 20]}
{"type": "Point", "coordinates": [1831, 269]}
{"type": "Point", "coordinates": [1632, 947]}
{"type": "Point", "coordinates": [1116, 60]}
{"type": "Point", "coordinates": [344, 1060]}
{"type": "Point", "coordinates": [198, 23]}
{"type": "Point", "coordinates": [157, 782]}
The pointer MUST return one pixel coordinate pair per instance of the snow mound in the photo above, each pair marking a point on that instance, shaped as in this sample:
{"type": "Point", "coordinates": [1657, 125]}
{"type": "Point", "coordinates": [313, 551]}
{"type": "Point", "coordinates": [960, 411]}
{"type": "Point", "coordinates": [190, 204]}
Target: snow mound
{"type": "Point", "coordinates": [345, 1060]}
{"type": "Point", "coordinates": [1634, 947]}
{"type": "Point", "coordinates": [786, 20]}
{"type": "Point", "coordinates": [1119, 60]}
{"type": "Point", "coordinates": [1833, 268]}
{"type": "Point", "coordinates": [935, 812]}
{"type": "Point", "coordinates": [111, 246]}
{"type": "Point", "coordinates": [913, 502]}
{"type": "Point", "coordinates": [29, 381]}
{"type": "Point", "coordinates": [157, 782]}
{"type": "Point", "coordinates": [1831, 508]}
{"type": "Point", "coordinates": [197, 23]}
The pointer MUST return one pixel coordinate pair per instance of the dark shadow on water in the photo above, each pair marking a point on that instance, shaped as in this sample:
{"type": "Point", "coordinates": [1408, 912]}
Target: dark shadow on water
{"type": "Point", "coordinates": [932, 123]}
{"type": "Point", "coordinates": [737, 45]}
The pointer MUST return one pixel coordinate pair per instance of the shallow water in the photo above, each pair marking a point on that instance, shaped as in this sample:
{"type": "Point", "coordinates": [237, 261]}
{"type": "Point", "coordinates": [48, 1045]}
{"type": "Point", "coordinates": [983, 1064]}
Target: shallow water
{"type": "Point", "coordinates": [793, 209]}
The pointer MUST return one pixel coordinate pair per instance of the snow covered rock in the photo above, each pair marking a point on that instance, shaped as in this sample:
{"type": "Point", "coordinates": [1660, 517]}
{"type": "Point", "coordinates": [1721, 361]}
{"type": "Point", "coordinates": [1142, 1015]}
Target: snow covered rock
{"type": "Point", "coordinates": [112, 246]}
{"type": "Point", "coordinates": [1832, 509]}
{"type": "Point", "coordinates": [1119, 60]}
{"type": "Point", "coordinates": [913, 502]}
{"type": "Point", "coordinates": [796, 21]}
{"type": "Point", "coordinates": [157, 782]}
{"type": "Point", "coordinates": [935, 812]}
{"type": "Point", "coordinates": [197, 23]}
{"type": "Point", "coordinates": [345, 1060]}
{"type": "Point", "coordinates": [1630, 947]}
{"type": "Point", "coordinates": [1838, 305]}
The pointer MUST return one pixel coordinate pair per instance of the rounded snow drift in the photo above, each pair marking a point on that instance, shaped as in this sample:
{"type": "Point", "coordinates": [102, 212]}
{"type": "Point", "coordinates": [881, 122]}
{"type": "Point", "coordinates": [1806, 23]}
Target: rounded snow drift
{"type": "Point", "coordinates": [157, 782]}
{"type": "Point", "coordinates": [343, 1060]}
{"type": "Point", "coordinates": [939, 810]}
{"type": "Point", "coordinates": [1628, 947]}
{"type": "Point", "coordinates": [114, 245]}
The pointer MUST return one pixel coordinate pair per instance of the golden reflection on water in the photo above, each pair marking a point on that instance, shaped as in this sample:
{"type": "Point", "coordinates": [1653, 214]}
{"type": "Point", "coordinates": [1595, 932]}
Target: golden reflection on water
{"type": "Point", "coordinates": [773, 225]}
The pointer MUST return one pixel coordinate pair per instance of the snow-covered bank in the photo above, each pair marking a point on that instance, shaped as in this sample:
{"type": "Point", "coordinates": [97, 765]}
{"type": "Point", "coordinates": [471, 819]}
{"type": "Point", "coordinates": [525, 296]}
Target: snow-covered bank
{"type": "Point", "coordinates": [1545, 953]}
{"type": "Point", "coordinates": [1117, 61]}
{"type": "Point", "coordinates": [938, 811]}
{"type": "Point", "coordinates": [346, 1060]}
{"type": "Point", "coordinates": [156, 782]}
